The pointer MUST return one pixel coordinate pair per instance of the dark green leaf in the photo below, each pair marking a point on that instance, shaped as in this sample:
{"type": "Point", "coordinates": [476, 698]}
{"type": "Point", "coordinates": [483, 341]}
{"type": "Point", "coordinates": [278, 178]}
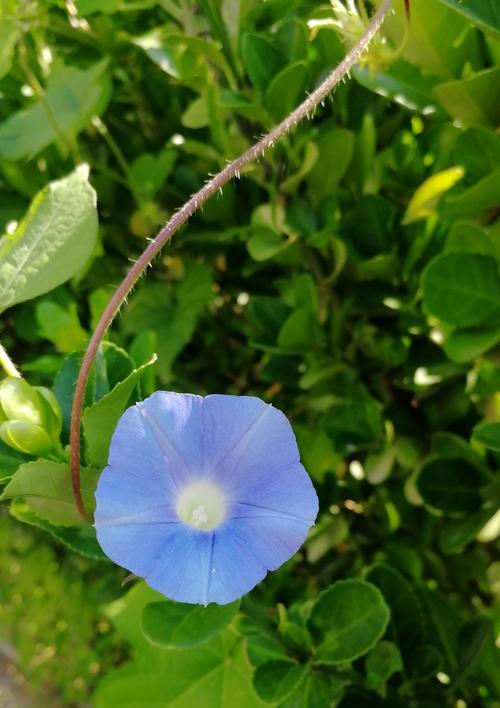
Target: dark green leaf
{"type": "Point", "coordinates": [350, 617]}
{"type": "Point", "coordinates": [450, 485]}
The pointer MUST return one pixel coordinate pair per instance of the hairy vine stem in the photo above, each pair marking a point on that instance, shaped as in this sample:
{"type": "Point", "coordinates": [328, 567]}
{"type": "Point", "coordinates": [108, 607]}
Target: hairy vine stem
{"type": "Point", "coordinates": [233, 169]}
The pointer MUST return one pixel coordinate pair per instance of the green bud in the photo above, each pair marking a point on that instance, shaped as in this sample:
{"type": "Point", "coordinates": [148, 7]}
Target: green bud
{"type": "Point", "coordinates": [53, 413]}
{"type": "Point", "coordinates": [20, 401]}
{"type": "Point", "coordinates": [25, 436]}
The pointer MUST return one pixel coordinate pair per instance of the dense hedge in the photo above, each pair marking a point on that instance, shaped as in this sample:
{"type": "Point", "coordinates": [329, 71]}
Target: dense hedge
{"type": "Point", "coordinates": [350, 278]}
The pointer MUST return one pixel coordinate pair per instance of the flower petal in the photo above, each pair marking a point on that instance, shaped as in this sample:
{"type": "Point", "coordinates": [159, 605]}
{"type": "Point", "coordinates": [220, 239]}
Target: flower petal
{"type": "Point", "coordinates": [242, 435]}
{"type": "Point", "coordinates": [135, 547]}
{"type": "Point", "coordinates": [234, 567]}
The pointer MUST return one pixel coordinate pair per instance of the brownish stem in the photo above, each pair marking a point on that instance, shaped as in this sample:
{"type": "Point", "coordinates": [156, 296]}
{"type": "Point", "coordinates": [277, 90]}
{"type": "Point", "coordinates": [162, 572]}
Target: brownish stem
{"type": "Point", "coordinates": [233, 169]}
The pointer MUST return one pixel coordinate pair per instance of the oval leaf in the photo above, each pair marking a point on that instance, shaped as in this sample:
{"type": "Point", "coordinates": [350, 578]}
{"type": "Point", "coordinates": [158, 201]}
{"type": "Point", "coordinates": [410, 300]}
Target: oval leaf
{"type": "Point", "coordinates": [180, 625]}
{"type": "Point", "coordinates": [462, 289]}
{"type": "Point", "coordinates": [52, 242]}
{"type": "Point", "coordinates": [275, 680]}
{"type": "Point", "coordinates": [352, 616]}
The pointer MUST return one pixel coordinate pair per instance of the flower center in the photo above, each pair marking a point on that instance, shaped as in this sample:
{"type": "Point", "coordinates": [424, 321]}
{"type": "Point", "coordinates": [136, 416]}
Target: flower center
{"type": "Point", "coordinates": [201, 505]}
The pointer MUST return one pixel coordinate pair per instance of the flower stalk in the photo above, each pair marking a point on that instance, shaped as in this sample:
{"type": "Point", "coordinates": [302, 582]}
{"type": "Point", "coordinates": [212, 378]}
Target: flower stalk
{"type": "Point", "coordinates": [211, 187]}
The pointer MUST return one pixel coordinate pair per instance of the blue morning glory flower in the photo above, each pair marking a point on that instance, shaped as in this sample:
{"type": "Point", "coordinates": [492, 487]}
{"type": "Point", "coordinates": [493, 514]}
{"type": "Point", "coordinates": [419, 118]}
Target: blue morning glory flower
{"type": "Point", "coordinates": [202, 496]}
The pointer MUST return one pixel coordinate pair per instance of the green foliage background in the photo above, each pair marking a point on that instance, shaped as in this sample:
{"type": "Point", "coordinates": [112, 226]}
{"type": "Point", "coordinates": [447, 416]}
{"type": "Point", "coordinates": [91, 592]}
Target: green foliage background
{"type": "Point", "coordinates": [350, 278]}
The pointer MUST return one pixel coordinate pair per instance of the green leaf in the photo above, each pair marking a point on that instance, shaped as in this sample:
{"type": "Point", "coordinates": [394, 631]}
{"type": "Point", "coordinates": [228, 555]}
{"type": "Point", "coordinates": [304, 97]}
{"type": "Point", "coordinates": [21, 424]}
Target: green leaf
{"type": "Point", "coordinates": [10, 460]}
{"type": "Point", "coordinates": [151, 171]}
{"type": "Point", "coordinates": [52, 242]}
{"type": "Point", "coordinates": [462, 289]}
{"type": "Point", "coordinates": [46, 487]}
{"type": "Point", "coordinates": [353, 424]}
{"type": "Point", "coordinates": [382, 662]}
{"type": "Point", "coordinates": [265, 244]}
{"type": "Point", "coordinates": [309, 158]}
{"type": "Point", "coordinates": [457, 533]}
{"type": "Point", "coordinates": [275, 680]}
{"type": "Point", "coordinates": [464, 345]}
{"type": "Point", "coordinates": [350, 616]}
{"type": "Point", "coordinates": [484, 13]}
{"type": "Point", "coordinates": [474, 100]}
{"type": "Point", "coordinates": [300, 331]}
{"type": "Point", "coordinates": [286, 89]}
{"type": "Point", "coordinates": [474, 638]}
{"type": "Point", "coordinates": [432, 44]}
{"type": "Point", "coordinates": [61, 325]}
{"type": "Point", "coordinates": [179, 625]}
{"type": "Point", "coordinates": [403, 83]}
{"type": "Point", "coordinates": [72, 97]}
{"type": "Point", "coordinates": [442, 625]}
{"type": "Point", "coordinates": [216, 673]}
{"type": "Point", "coordinates": [79, 539]}
{"type": "Point", "coordinates": [100, 419]}
{"type": "Point", "coordinates": [450, 485]}
{"type": "Point", "coordinates": [317, 690]}
{"type": "Point", "coordinates": [171, 312]}
{"type": "Point", "coordinates": [261, 60]}
{"type": "Point", "coordinates": [336, 148]}
{"type": "Point", "coordinates": [183, 57]}
{"type": "Point", "coordinates": [475, 201]}
{"type": "Point", "coordinates": [10, 31]}
{"type": "Point", "coordinates": [424, 202]}
{"type": "Point", "coordinates": [405, 627]}
{"type": "Point", "coordinates": [488, 434]}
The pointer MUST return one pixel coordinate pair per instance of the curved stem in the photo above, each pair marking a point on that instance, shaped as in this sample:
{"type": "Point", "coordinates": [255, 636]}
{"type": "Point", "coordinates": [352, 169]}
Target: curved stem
{"type": "Point", "coordinates": [233, 169]}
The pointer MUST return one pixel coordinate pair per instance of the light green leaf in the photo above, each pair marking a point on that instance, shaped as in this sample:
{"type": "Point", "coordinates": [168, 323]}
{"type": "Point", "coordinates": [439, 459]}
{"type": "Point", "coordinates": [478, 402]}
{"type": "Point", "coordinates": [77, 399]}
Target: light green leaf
{"type": "Point", "coordinates": [275, 680]}
{"type": "Point", "coordinates": [424, 202]}
{"type": "Point", "coordinates": [46, 487]}
{"type": "Point", "coordinates": [61, 325]}
{"type": "Point", "coordinates": [265, 244]}
{"type": "Point", "coordinates": [73, 96]}
{"type": "Point", "coordinates": [99, 420]}
{"type": "Point", "coordinates": [351, 616]}
{"type": "Point", "coordinates": [214, 674]}
{"type": "Point", "coordinates": [52, 242]}
{"type": "Point", "coordinates": [179, 625]}
{"type": "Point", "coordinates": [336, 148]}
{"type": "Point", "coordinates": [80, 538]}
{"type": "Point", "coordinates": [462, 289]}
{"type": "Point", "coordinates": [10, 30]}
{"type": "Point", "coordinates": [183, 57]}
{"type": "Point", "coordinates": [484, 13]}
{"type": "Point", "coordinates": [309, 158]}
{"type": "Point", "coordinates": [474, 100]}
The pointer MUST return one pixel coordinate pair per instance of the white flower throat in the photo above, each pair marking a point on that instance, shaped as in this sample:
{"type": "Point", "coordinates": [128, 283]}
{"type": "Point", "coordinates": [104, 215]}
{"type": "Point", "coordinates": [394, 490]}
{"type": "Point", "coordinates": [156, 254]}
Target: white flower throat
{"type": "Point", "coordinates": [201, 505]}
